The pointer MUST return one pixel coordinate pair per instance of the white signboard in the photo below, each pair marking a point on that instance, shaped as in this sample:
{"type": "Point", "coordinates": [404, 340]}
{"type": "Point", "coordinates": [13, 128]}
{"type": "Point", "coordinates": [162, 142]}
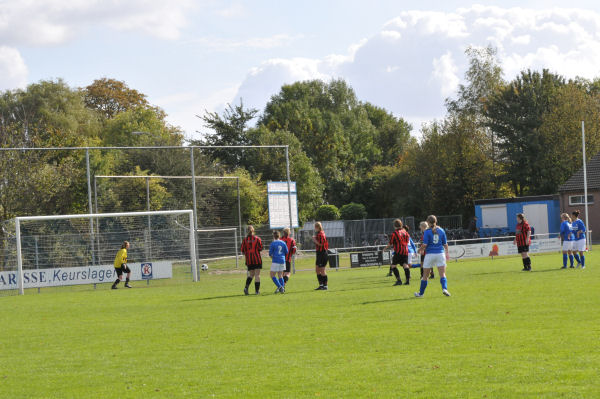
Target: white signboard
{"type": "Point", "coordinates": [488, 249]}
{"type": "Point", "coordinates": [279, 206]}
{"type": "Point", "coordinates": [39, 278]}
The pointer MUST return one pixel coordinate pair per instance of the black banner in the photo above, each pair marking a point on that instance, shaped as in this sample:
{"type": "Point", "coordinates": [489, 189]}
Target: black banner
{"type": "Point", "coordinates": [371, 258]}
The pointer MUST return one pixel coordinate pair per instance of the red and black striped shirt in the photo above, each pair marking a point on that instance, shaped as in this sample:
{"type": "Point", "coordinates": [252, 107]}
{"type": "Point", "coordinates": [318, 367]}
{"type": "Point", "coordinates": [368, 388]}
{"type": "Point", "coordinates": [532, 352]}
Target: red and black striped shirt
{"type": "Point", "coordinates": [521, 234]}
{"type": "Point", "coordinates": [322, 245]}
{"type": "Point", "coordinates": [400, 240]}
{"type": "Point", "coordinates": [291, 245]}
{"type": "Point", "coordinates": [251, 247]}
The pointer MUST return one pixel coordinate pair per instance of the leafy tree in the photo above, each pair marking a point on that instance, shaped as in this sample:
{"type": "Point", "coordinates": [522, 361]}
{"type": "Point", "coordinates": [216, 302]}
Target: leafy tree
{"type": "Point", "coordinates": [46, 114]}
{"type": "Point", "coordinates": [327, 212]}
{"type": "Point", "coordinates": [110, 97]}
{"type": "Point", "coordinates": [353, 211]}
{"type": "Point", "coordinates": [515, 114]}
{"type": "Point", "coordinates": [228, 129]}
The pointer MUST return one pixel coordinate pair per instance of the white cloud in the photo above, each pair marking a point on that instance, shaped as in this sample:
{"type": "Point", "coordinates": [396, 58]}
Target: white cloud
{"type": "Point", "coordinates": [50, 22]}
{"type": "Point", "coordinates": [233, 11]}
{"type": "Point", "coordinates": [417, 59]}
{"type": "Point", "coordinates": [182, 108]}
{"type": "Point", "coordinates": [13, 71]}
{"type": "Point", "coordinates": [269, 42]}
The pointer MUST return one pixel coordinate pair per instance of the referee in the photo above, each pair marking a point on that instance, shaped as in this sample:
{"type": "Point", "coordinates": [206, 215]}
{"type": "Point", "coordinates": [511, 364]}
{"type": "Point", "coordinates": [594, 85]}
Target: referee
{"type": "Point", "coordinates": [121, 266]}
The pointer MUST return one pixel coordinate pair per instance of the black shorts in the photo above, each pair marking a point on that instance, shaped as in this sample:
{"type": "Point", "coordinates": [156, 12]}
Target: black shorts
{"type": "Point", "coordinates": [123, 269]}
{"type": "Point", "coordinates": [322, 258]}
{"type": "Point", "coordinates": [524, 248]}
{"type": "Point", "coordinates": [254, 267]}
{"type": "Point", "coordinates": [398, 259]}
{"type": "Point", "coordinates": [288, 266]}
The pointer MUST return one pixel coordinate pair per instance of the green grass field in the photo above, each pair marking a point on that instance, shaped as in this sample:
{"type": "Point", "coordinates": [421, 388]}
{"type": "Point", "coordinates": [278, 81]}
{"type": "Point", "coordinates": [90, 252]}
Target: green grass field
{"type": "Point", "coordinates": [503, 334]}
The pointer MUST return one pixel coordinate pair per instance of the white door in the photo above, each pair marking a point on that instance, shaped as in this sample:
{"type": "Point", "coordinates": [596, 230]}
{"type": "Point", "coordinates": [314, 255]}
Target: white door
{"type": "Point", "coordinates": [537, 216]}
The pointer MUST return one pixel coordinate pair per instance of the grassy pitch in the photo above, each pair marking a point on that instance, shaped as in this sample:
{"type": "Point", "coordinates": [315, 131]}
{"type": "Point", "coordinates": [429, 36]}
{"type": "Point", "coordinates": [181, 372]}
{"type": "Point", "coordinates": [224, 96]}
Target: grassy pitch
{"type": "Point", "coordinates": [503, 334]}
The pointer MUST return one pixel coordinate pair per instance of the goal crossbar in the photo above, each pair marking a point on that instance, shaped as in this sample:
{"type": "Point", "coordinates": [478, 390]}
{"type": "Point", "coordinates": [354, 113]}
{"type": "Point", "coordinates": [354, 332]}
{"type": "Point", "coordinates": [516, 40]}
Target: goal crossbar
{"type": "Point", "coordinates": [19, 219]}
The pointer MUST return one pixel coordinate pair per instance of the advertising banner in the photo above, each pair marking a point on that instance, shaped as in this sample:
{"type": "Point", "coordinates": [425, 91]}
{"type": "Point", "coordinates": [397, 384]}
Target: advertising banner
{"type": "Point", "coordinates": [39, 278]}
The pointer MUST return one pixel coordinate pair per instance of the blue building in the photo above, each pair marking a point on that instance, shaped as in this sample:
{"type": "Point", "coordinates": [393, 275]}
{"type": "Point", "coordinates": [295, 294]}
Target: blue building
{"type": "Point", "coordinates": [499, 216]}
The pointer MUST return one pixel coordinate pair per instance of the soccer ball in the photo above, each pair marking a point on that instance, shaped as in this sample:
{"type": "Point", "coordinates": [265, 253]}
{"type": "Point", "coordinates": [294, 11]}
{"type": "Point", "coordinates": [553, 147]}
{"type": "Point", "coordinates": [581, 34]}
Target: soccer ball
{"type": "Point", "coordinates": [204, 266]}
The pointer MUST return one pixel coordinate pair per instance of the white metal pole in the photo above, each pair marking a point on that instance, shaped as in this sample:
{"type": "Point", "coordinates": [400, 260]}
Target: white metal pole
{"type": "Point", "coordinates": [193, 226]}
{"type": "Point", "coordinates": [239, 208]}
{"type": "Point", "coordinates": [193, 247]}
{"type": "Point", "coordinates": [585, 191]}
{"type": "Point", "coordinates": [236, 249]}
{"type": "Point", "coordinates": [20, 283]}
{"type": "Point", "coordinates": [89, 187]}
{"type": "Point", "coordinates": [287, 168]}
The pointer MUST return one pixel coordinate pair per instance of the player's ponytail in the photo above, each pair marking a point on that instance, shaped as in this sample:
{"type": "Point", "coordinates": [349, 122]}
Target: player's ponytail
{"type": "Point", "coordinates": [432, 222]}
{"type": "Point", "coordinates": [250, 230]}
{"type": "Point", "coordinates": [397, 224]}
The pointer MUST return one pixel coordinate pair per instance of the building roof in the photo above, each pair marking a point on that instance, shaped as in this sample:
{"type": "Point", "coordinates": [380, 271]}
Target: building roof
{"type": "Point", "coordinates": [575, 182]}
{"type": "Point", "coordinates": [531, 198]}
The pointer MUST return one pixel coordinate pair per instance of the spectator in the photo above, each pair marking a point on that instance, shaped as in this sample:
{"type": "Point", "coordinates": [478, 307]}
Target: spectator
{"type": "Point", "coordinates": [473, 229]}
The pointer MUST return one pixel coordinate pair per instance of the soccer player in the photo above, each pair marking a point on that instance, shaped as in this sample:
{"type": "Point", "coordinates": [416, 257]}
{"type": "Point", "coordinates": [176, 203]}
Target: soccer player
{"type": "Point", "coordinates": [321, 248]}
{"type": "Point", "coordinates": [291, 246]}
{"type": "Point", "coordinates": [579, 243]}
{"type": "Point", "coordinates": [277, 251]}
{"type": "Point", "coordinates": [251, 247]}
{"type": "Point", "coordinates": [121, 266]}
{"type": "Point", "coordinates": [436, 248]}
{"type": "Point", "coordinates": [412, 249]}
{"type": "Point", "coordinates": [522, 241]}
{"type": "Point", "coordinates": [566, 233]}
{"type": "Point", "coordinates": [423, 226]}
{"type": "Point", "coordinates": [399, 240]}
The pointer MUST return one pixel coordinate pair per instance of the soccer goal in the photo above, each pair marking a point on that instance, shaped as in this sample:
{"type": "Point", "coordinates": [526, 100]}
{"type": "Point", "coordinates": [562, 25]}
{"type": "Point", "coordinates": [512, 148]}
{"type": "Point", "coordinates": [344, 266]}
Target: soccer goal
{"type": "Point", "coordinates": [48, 251]}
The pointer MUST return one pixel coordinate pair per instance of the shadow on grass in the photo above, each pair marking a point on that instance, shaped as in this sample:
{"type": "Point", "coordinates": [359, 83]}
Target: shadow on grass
{"type": "Point", "coordinates": [390, 300]}
{"type": "Point", "coordinates": [294, 292]}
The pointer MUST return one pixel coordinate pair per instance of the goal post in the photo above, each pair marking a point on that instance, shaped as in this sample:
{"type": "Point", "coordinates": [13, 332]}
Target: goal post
{"type": "Point", "coordinates": [68, 243]}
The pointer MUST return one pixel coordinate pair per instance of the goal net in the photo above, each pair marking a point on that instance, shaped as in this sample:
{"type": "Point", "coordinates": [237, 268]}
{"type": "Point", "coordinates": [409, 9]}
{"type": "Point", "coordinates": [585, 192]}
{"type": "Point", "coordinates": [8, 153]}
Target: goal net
{"type": "Point", "coordinates": [47, 251]}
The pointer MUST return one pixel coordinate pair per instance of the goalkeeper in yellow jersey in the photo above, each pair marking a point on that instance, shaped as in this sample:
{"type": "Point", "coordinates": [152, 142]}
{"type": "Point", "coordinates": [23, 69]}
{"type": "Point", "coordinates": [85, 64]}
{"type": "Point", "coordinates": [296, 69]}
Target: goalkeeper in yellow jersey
{"type": "Point", "coordinates": [121, 266]}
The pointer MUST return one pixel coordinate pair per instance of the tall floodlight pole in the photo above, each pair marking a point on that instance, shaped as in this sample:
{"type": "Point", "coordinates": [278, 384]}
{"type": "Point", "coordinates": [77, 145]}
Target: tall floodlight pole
{"type": "Point", "coordinates": [585, 191]}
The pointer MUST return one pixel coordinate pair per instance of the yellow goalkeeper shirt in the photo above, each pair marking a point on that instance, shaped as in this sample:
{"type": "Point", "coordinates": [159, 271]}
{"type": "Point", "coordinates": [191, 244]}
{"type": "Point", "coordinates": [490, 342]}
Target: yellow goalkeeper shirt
{"type": "Point", "coordinates": [121, 258]}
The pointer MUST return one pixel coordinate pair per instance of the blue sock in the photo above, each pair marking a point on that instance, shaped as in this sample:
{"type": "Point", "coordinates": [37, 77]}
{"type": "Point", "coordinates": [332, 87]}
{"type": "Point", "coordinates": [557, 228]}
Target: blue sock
{"type": "Point", "coordinates": [577, 258]}
{"type": "Point", "coordinates": [571, 260]}
{"type": "Point", "coordinates": [565, 260]}
{"type": "Point", "coordinates": [582, 260]}
{"type": "Point", "coordinates": [281, 282]}
{"type": "Point", "coordinates": [423, 286]}
{"type": "Point", "coordinates": [276, 281]}
{"type": "Point", "coordinates": [444, 282]}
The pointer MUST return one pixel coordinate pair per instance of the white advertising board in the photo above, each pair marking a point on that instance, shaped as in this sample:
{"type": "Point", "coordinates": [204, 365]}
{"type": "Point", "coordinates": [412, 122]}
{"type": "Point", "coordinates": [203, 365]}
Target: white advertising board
{"type": "Point", "coordinates": [279, 206]}
{"type": "Point", "coordinates": [482, 250]}
{"type": "Point", "coordinates": [38, 278]}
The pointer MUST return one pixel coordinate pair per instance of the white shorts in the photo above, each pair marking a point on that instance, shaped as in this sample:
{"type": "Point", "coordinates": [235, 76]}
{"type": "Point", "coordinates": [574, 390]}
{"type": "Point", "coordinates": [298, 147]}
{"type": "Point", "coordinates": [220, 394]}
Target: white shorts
{"type": "Point", "coordinates": [278, 267]}
{"type": "Point", "coordinates": [568, 245]}
{"type": "Point", "coordinates": [579, 245]}
{"type": "Point", "coordinates": [434, 260]}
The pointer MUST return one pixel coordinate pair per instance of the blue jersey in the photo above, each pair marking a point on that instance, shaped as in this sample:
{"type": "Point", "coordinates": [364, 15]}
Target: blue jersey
{"type": "Point", "coordinates": [277, 251]}
{"type": "Point", "coordinates": [578, 227]}
{"type": "Point", "coordinates": [435, 242]}
{"type": "Point", "coordinates": [411, 246]}
{"type": "Point", "coordinates": [566, 231]}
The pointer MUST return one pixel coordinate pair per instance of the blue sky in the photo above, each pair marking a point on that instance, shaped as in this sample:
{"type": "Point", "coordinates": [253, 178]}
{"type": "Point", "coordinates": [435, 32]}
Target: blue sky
{"type": "Point", "coordinates": [190, 56]}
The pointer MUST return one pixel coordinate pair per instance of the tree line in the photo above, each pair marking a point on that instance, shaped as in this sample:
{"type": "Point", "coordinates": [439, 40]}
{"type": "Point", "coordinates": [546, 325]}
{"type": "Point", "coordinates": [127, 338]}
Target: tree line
{"type": "Point", "coordinates": [351, 159]}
